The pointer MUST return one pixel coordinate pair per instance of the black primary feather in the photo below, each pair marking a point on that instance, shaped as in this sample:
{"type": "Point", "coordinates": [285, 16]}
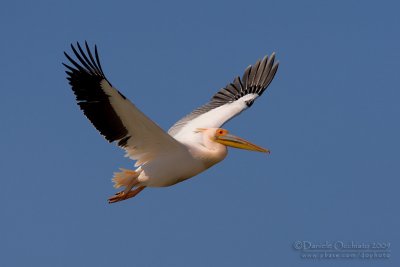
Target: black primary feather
{"type": "Point", "coordinates": [85, 78]}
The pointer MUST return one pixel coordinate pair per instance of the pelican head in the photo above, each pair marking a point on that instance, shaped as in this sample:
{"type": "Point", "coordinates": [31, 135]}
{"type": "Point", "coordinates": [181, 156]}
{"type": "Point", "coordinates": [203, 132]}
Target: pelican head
{"type": "Point", "coordinates": [222, 136]}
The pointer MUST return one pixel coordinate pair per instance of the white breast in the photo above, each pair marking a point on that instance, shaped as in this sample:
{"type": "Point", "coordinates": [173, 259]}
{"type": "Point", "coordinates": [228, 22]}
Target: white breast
{"type": "Point", "coordinates": [169, 169]}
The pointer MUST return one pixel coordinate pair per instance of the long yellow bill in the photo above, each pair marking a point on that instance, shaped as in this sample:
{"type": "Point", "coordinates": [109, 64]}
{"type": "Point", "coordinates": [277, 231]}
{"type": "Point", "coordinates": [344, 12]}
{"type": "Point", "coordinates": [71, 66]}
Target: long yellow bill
{"type": "Point", "coordinates": [237, 142]}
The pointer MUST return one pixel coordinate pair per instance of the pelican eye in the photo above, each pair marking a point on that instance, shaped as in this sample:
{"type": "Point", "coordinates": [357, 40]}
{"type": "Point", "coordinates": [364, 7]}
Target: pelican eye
{"type": "Point", "coordinates": [222, 132]}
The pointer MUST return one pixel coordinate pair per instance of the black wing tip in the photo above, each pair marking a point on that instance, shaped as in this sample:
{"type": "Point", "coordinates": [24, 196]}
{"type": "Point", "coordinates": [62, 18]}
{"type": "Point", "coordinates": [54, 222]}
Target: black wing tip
{"type": "Point", "coordinates": [264, 74]}
{"type": "Point", "coordinates": [84, 60]}
{"type": "Point", "coordinates": [255, 79]}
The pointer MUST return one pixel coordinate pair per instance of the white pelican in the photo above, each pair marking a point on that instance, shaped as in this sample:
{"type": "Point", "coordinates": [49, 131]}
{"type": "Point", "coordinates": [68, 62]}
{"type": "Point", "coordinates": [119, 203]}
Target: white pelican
{"type": "Point", "coordinates": [192, 145]}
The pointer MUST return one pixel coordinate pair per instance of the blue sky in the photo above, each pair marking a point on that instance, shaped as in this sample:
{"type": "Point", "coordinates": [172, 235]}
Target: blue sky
{"type": "Point", "coordinates": [330, 118]}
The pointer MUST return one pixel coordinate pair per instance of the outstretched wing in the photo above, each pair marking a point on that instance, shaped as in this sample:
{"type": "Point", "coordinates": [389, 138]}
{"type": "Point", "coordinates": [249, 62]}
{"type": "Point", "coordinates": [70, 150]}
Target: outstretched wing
{"type": "Point", "coordinates": [113, 115]}
{"type": "Point", "coordinates": [229, 101]}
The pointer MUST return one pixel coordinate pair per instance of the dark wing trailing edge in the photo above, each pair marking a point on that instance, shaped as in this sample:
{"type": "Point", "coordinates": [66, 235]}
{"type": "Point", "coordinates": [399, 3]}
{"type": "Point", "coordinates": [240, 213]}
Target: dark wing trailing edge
{"type": "Point", "coordinates": [255, 81]}
{"type": "Point", "coordinates": [86, 81]}
{"type": "Point", "coordinates": [112, 113]}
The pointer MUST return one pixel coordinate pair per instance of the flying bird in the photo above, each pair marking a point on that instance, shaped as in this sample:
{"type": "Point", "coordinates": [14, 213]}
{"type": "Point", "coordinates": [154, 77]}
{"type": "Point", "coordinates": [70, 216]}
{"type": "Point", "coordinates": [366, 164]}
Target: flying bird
{"type": "Point", "coordinates": [193, 144]}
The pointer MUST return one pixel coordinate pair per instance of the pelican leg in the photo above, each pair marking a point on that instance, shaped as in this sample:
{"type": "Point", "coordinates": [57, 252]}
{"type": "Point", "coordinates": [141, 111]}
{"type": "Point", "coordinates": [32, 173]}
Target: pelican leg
{"type": "Point", "coordinates": [123, 196]}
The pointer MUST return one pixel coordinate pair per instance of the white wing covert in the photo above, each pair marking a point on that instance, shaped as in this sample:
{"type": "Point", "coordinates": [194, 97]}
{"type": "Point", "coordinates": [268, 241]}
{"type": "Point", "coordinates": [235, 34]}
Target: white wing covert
{"type": "Point", "coordinates": [230, 100]}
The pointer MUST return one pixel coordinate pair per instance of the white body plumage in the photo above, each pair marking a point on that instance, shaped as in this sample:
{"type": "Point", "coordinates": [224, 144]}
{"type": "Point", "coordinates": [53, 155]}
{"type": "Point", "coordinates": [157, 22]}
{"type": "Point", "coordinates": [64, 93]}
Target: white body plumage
{"type": "Point", "coordinates": [192, 145]}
